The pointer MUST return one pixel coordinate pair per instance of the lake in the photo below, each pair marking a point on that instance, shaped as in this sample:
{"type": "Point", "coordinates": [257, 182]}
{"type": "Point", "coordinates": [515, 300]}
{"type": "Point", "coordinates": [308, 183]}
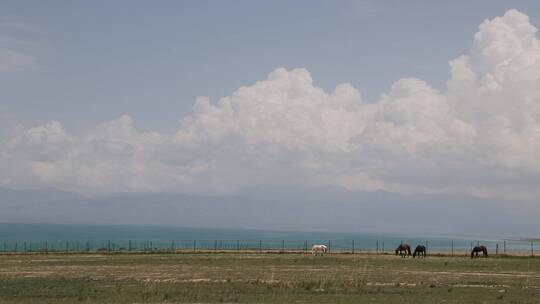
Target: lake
{"type": "Point", "coordinates": [35, 237]}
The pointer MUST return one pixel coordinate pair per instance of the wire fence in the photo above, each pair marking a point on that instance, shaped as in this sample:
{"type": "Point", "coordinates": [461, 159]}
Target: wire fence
{"type": "Point", "coordinates": [386, 246]}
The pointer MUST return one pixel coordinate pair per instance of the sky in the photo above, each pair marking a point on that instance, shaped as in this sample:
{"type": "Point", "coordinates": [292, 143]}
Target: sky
{"type": "Point", "coordinates": [94, 61]}
{"type": "Point", "coordinates": [215, 97]}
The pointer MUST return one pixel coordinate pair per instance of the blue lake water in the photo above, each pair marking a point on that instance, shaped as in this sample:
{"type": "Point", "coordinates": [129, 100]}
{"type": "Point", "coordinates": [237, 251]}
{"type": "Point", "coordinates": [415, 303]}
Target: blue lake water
{"type": "Point", "coordinates": [53, 237]}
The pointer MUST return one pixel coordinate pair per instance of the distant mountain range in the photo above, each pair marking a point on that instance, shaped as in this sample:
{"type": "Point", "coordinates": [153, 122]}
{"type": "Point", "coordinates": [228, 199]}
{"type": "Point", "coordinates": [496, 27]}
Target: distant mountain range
{"type": "Point", "coordinates": [319, 209]}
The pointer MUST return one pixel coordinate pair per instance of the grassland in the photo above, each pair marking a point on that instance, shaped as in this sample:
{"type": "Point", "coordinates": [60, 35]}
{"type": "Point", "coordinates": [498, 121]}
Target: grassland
{"type": "Point", "coordinates": [265, 278]}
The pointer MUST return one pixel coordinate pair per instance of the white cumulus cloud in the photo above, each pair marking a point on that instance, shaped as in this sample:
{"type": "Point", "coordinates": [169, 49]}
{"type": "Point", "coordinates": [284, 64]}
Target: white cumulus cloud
{"type": "Point", "coordinates": [480, 136]}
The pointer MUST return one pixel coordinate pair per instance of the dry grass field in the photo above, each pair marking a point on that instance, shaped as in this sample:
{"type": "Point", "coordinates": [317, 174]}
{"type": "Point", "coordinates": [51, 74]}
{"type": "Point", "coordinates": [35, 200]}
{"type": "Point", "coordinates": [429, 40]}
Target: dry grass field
{"type": "Point", "coordinates": [265, 278]}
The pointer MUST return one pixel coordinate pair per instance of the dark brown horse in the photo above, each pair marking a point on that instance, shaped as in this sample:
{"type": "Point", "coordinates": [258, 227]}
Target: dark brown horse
{"type": "Point", "coordinates": [478, 249]}
{"type": "Point", "coordinates": [403, 250]}
{"type": "Point", "coordinates": [420, 250]}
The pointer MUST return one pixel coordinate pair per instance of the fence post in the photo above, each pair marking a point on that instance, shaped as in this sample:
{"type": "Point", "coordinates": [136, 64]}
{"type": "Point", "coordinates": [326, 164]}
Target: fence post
{"type": "Point", "coordinates": [260, 245]}
{"type": "Point", "coordinates": [194, 245]}
{"type": "Point", "coordinates": [377, 247]}
{"type": "Point", "coordinates": [452, 248]}
{"type": "Point", "coordinates": [532, 249]}
{"type": "Point", "coordinates": [329, 246]}
{"type": "Point", "coordinates": [282, 245]}
{"type": "Point", "coordinates": [382, 248]}
{"type": "Point", "coordinates": [352, 247]}
{"type": "Point", "coordinates": [108, 245]}
{"type": "Point", "coordinates": [504, 248]}
{"type": "Point", "coordinates": [497, 248]}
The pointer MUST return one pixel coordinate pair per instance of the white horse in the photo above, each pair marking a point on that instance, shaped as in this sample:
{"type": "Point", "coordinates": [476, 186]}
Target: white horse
{"type": "Point", "coordinates": [316, 249]}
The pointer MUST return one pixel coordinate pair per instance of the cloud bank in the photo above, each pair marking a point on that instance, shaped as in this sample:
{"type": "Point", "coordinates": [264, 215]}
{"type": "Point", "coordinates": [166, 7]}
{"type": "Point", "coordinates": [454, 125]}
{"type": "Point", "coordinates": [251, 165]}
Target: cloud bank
{"type": "Point", "coordinates": [480, 137]}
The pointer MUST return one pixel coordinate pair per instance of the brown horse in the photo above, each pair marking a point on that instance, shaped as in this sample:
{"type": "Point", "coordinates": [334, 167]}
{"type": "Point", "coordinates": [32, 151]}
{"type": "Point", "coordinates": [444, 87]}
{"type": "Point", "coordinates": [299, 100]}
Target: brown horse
{"type": "Point", "coordinates": [403, 250]}
{"type": "Point", "coordinates": [420, 250]}
{"type": "Point", "coordinates": [478, 249]}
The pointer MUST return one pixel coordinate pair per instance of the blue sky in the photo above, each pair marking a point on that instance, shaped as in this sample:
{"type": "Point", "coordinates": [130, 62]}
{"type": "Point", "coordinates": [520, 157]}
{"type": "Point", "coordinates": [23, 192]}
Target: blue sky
{"type": "Point", "coordinates": [406, 97]}
{"type": "Point", "coordinates": [97, 60]}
